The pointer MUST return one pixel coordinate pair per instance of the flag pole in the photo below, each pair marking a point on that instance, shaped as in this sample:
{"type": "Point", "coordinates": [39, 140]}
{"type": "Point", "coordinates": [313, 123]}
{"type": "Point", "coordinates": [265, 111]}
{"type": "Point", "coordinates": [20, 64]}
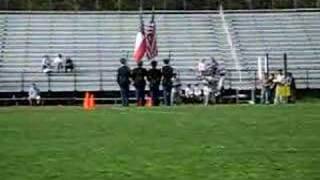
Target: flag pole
{"type": "Point", "coordinates": [152, 21]}
{"type": "Point", "coordinates": [285, 64]}
{"type": "Point", "coordinates": [140, 44]}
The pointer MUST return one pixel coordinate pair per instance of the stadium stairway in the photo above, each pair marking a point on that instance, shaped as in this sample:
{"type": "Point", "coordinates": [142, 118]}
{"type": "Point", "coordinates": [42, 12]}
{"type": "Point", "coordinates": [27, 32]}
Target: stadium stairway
{"type": "Point", "coordinates": [96, 41]}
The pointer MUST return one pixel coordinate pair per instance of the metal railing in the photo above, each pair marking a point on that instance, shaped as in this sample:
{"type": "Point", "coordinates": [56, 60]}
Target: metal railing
{"type": "Point", "coordinates": [106, 80]}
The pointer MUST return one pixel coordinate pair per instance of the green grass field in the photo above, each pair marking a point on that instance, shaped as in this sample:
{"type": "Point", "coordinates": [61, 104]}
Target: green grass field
{"type": "Point", "coordinates": [196, 143]}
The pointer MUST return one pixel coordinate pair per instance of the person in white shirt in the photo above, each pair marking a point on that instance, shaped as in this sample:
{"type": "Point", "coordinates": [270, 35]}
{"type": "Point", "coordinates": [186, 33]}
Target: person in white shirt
{"type": "Point", "coordinates": [46, 64]}
{"type": "Point", "coordinates": [206, 94]}
{"type": "Point", "coordinates": [176, 89]}
{"type": "Point", "coordinates": [202, 67]}
{"type": "Point", "coordinates": [58, 62]}
{"type": "Point", "coordinates": [197, 93]}
{"type": "Point", "coordinates": [34, 94]}
{"type": "Point", "coordinates": [189, 92]}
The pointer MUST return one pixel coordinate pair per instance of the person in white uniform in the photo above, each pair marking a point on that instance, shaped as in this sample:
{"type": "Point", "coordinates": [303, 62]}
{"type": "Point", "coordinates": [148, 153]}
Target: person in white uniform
{"type": "Point", "coordinates": [34, 94]}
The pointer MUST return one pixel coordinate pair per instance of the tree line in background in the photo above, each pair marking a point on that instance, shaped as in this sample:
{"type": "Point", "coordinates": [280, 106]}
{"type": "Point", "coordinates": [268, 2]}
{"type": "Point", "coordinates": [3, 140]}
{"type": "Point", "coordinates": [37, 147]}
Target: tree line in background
{"type": "Point", "coordinates": [97, 5]}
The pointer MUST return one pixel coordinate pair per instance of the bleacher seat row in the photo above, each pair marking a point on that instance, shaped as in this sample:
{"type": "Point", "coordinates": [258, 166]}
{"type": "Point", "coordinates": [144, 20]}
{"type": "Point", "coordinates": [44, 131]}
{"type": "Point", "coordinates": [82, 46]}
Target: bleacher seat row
{"type": "Point", "coordinates": [96, 41]}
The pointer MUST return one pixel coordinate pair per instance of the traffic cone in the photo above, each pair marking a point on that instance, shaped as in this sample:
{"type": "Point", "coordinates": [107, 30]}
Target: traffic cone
{"type": "Point", "coordinates": [86, 101]}
{"type": "Point", "coordinates": [92, 103]}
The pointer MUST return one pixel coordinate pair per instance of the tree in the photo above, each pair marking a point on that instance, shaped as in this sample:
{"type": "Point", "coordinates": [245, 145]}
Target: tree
{"type": "Point", "coordinates": [250, 5]}
{"type": "Point", "coordinates": [4, 4]}
{"type": "Point", "coordinates": [282, 4]}
{"type": "Point", "coordinates": [262, 4]}
{"type": "Point", "coordinates": [295, 3]}
{"type": "Point", "coordinates": [159, 4]}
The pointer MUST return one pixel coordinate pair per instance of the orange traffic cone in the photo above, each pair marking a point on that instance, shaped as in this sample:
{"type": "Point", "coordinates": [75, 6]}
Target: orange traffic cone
{"type": "Point", "coordinates": [86, 101]}
{"type": "Point", "coordinates": [92, 103]}
{"type": "Point", "coordinates": [149, 101]}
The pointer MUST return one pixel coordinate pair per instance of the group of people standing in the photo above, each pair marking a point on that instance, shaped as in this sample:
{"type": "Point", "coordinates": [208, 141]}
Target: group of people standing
{"type": "Point", "coordinates": [140, 76]}
{"type": "Point", "coordinates": [279, 88]}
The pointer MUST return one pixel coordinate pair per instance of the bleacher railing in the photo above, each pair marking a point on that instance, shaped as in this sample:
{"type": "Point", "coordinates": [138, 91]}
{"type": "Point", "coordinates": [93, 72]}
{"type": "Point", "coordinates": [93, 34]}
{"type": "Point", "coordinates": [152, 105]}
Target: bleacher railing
{"type": "Point", "coordinates": [101, 80]}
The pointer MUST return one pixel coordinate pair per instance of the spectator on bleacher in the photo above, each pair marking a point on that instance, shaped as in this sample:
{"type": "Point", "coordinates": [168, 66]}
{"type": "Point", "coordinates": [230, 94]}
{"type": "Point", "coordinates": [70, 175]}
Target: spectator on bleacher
{"type": "Point", "coordinates": [46, 64]}
{"type": "Point", "coordinates": [69, 66]}
{"type": "Point", "coordinates": [123, 80]}
{"type": "Point", "coordinates": [139, 75]}
{"type": "Point", "coordinates": [58, 62]}
{"type": "Point", "coordinates": [279, 84]}
{"type": "Point", "coordinates": [292, 84]}
{"type": "Point", "coordinates": [167, 75]}
{"type": "Point", "coordinates": [154, 78]}
{"type": "Point", "coordinates": [202, 67]}
{"type": "Point", "coordinates": [34, 94]}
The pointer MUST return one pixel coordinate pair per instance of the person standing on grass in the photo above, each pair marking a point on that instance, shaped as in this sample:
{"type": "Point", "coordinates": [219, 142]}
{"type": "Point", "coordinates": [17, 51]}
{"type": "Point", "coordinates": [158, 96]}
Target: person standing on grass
{"type": "Point", "coordinates": [167, 75]}
{"type": "Point", "coordinates": [139, 75]}
{"type": "Point", "coordinates": [279, 82]}
{"type": "Point", "coordinates": [266, 89]}
{"type": "Point", "coordinates": [272, 87]}
{"type": "Point", "coordinates": [176, 89]}
{"type": "Point", "coordinates": [292, 84]}
{"type": "Point", "coordinates": [123, 80]}
{"type": "Point", "coordinates": [154, 78]}
{"type": "Point", "coordinates": [206, 94]}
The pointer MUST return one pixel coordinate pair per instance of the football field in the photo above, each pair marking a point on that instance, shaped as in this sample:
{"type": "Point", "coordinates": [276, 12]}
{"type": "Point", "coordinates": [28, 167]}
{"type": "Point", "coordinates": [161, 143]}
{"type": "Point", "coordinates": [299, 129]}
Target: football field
{"type": "Point", "coordinates": [186, 143]}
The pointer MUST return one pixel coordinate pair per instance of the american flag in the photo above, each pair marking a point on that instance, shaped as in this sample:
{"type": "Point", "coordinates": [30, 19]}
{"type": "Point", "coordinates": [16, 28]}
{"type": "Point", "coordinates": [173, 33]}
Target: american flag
{"type": "Point", "coordinates": [151, 39]}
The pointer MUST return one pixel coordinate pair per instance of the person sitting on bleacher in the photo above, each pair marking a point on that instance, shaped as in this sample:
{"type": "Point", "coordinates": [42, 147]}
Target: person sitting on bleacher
{"type": "Point", "coordinates": [46, 64]}
{"type": "Point", "coordinates": [58, 62]}
{"type": "Point", "coordinates": [34, 94]}
{"type": "Point", "coordinates": [69, 66]}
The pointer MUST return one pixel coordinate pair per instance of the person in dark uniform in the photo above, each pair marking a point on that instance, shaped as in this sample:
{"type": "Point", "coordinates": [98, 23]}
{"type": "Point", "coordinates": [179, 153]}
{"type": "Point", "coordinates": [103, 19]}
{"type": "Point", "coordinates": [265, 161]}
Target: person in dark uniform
{"type": "Point", "coordinates": [167, 74]}
{"type": "Point", "coordinates": [123, 79]}
{"type": "Point", "coordinates": [139, 75]}
{"type": "Point", "coordinates": [154, 78]}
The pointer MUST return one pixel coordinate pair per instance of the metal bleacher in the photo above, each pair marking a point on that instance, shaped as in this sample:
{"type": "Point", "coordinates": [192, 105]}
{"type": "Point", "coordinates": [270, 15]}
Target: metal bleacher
{"type": "Point", "coordinates": [96, 41]}
{"type": "Point", "coordinates": [294, 33]}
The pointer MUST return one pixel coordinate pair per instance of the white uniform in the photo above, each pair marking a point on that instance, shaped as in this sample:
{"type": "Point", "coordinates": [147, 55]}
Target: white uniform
{"type": "Point", "coordinates": [206, 94]}
{"type": "Point", "coordinates": [189, 92]}
{"type": "Point", "coordinates": [197, 91]}
{"type": "Point", "coordinates": [34, 93]}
